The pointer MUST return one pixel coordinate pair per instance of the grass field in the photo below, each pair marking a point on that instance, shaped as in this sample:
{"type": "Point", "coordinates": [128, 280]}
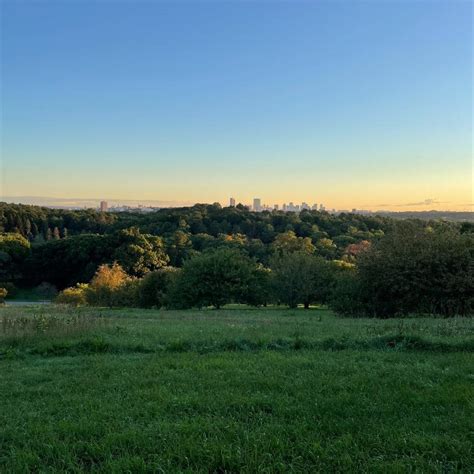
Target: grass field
{"type": "Point", "coordinates": [236, 390]}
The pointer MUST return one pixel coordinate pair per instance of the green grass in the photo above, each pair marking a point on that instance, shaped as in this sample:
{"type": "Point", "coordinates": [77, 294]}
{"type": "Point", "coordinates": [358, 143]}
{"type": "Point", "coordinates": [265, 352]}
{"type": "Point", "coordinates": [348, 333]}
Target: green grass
{"type": "Point", "coordinates": [236, 390]}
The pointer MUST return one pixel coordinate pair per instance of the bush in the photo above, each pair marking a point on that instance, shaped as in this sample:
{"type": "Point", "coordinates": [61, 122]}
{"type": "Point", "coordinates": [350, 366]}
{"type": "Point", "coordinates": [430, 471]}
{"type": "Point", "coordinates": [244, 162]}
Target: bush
{"type": "Point", "coordinates": [10, 287]}
{"type": "Point", "coordinates": [126, 295]}
{"type": "Point", "coordinates": [75, 296]}
{"type": "Point", "coordinates": [106, 280]}
{"type": "Point", "coordinates": [3, 295]}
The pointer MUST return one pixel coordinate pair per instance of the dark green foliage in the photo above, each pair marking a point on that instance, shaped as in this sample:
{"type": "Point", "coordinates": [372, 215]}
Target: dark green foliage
{"type": "Point", "coordinates": [301, 278]}
{"type": "Point", "coordinates": [258, 291]}
{"type": "Point", "coordinates": [346, 297]}
{"type": "Point", "coordinates": [34, 221]}
{"type": "Point", "coordinates": [413, 269]}
{"type": "Point", "coordinates": [138, 253]}
{"type": "Point", "coordinates": [154, 287]}
{"type": "Point", "coordinates": [10, 287]}
{"type": "Point", "coordinates": [126, 295]}
{"type": "Point", "coordinates": [14, 249]}
{"type": "Point", "coordinates": [427, 269]}
{"type": "Point", "coordinates": [213, 278]}
{"type": "Point", "coordinates": [46, 291]}
{"type": "Point", "coordinates": [66, 262]}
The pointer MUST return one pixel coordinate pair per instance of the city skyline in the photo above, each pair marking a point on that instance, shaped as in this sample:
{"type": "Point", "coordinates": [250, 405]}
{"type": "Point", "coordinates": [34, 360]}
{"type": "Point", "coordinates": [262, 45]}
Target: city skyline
{"type": "Point", "coordinates": [292, 205]}
{"type": "Point", "coordinates": [363, 104]}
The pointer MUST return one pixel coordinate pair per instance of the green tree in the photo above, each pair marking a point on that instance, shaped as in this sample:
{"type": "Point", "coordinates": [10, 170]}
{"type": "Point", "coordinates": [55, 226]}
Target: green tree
{"type": "Point", "coordinates": [14, 249]}
{"type": "Point", "coordinates": [139, 253]}
{"type": "Point", "coordinates": [288, 242]}
{"type": "Point", "coordinates": [154, 286]}
{"type": "Point", "coordinates": [213, 278]}
{"type": "Point", "coordinates": [301, 278]}
{"type": "Point", "coordinates": [415, 269]}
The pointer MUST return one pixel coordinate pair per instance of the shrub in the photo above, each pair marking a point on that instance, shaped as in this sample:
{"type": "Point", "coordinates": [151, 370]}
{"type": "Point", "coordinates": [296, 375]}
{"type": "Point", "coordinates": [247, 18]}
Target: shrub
{"type": "Point", "coordinates": [126, 295]}
{"type": "Point", "coordinates": [10, 287]}
{"type": "Point", "coordinates": [106, 280]}
{"type": "Point", "coordinates": [3, 295]}
{"type": "Point", "coordinates": [75, 296]}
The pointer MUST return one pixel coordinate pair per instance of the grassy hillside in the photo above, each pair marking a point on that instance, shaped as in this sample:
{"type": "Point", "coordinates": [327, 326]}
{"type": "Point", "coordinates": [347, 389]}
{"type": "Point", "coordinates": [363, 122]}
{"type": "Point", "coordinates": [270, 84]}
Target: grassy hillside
{"type": "Point", "coordinates": [236, 390]}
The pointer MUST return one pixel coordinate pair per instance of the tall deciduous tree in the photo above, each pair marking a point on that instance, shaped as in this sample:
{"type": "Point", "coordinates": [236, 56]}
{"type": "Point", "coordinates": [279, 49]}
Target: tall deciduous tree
{"type": "Point", "coordinates": [214, 278]}
{"type": "Point", "coordinates": [301, 278]}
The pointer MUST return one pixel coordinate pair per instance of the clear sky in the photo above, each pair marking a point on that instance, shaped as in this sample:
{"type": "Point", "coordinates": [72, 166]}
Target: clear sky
{"type": "Point", "coordinates": [353, 104]}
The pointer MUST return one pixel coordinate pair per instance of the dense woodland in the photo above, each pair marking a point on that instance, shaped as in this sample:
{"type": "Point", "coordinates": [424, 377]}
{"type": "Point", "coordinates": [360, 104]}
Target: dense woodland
{"type": "Point", "coordinates": [363, 264]}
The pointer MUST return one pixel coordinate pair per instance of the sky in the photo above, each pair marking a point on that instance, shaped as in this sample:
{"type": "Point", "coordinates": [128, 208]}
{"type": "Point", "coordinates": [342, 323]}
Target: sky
{"type": "Point", "coordinates": [352, 104]}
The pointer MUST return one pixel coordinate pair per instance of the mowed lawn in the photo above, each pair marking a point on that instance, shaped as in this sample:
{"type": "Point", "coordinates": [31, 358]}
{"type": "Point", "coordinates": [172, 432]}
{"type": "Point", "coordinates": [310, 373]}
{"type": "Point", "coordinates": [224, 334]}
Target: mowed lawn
{"type": "Point", "coordinates": [235, 390]}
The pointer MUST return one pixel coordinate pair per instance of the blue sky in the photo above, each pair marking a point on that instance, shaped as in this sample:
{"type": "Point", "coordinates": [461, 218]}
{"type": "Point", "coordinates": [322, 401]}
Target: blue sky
{"type": "Point", "coordinates": [354, 104]}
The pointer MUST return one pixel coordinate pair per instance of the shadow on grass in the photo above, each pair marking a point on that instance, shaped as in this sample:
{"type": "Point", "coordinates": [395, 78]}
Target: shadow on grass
{"type": "Point", "coordinates": [98, 345]}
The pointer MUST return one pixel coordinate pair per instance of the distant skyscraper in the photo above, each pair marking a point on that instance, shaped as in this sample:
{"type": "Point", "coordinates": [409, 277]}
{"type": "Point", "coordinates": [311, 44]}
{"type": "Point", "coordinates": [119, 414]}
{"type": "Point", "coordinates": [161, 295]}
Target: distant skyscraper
{"type": "Point", "coordinates": [103, 206]}
{"type": "Point", "coordinates": [315, 207]}
{"type": "Point", "coordinates": [257, 204]}
{"type": "Point", "coordinates": [232, 202]}
{"type": "Point", "coordinates": [276, 207]}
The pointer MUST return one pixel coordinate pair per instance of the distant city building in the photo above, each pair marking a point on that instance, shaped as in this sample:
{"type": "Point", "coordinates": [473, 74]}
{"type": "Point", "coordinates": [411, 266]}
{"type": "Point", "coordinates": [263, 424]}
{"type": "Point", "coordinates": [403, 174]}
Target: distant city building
{"type": "Point", "coordinates": [304, 205]}
{"type": "Point", "coordinates": [232, 202]}
{"type": "Point", "coordinates": [275, 207]}
{"type": "Point", "coordinates": [257, 204]}
{"type": "Point", "coordinates": [103, 206]}
{"type": "Point", "coordinates": [314, 207]}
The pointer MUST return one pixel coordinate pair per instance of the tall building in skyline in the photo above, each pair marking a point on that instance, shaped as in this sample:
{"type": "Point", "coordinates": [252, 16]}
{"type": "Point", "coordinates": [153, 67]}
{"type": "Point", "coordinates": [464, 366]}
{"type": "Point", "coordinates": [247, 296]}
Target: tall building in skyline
{"type": "Point", "coordinates": [232, 202]}
{"type": "Point", "coordinates": [103, 206]}
{"type": "Point", "coordinates": [257, 204]}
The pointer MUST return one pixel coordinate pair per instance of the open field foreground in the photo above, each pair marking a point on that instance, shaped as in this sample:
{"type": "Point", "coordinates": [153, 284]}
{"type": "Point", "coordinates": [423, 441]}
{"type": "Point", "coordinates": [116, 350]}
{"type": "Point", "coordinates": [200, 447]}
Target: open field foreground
{"type": "Point", "coordinates": [235, 390]}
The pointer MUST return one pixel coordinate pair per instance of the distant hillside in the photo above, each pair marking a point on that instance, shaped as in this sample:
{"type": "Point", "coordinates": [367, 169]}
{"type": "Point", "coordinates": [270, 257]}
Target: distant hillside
{"type": "Point", "coordinates": [430, 215]}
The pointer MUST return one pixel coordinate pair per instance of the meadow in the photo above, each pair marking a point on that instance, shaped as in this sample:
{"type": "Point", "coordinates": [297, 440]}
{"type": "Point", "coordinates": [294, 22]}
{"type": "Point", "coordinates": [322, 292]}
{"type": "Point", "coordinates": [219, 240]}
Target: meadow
{"type": "Point", "coordinates": [234, 390]}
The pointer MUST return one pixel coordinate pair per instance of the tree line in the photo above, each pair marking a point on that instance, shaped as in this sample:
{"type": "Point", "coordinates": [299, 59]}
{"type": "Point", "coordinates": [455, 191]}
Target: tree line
{"type": "Point", "coordinates": [413, 270]}
{"type": "Point", "coordinates": [358, 264]}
